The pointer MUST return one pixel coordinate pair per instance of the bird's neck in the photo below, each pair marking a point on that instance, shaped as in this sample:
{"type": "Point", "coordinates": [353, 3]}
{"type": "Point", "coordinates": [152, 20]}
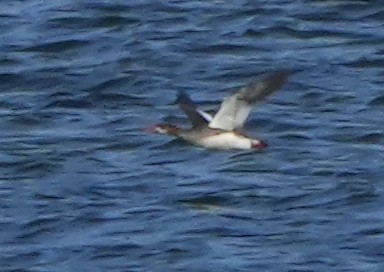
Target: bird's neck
{"type": "Point", "coordinates": [174, 131]}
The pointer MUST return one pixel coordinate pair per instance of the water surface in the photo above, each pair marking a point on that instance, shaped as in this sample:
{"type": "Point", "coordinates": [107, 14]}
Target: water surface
{"type": "Point", "coordinates": [84, 188]}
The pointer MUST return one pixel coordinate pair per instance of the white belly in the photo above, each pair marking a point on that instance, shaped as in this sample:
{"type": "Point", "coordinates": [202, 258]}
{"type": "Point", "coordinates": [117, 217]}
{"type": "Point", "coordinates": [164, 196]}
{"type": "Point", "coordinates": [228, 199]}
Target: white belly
{"type": "Point", "coordinates": [227, 140]}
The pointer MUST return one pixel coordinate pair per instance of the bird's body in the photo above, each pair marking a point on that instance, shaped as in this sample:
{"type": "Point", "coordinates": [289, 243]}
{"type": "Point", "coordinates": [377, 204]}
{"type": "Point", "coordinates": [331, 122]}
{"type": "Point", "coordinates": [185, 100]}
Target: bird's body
{"type": "Point", "coordinates": [218, 139]}
{"type": "Point", "coordinates": [222, 131]}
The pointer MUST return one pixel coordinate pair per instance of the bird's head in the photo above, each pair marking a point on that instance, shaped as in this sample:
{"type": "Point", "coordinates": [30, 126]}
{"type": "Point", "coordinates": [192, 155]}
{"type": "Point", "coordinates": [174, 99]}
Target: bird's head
{"type": "Point", "coordinates": [163, 129]}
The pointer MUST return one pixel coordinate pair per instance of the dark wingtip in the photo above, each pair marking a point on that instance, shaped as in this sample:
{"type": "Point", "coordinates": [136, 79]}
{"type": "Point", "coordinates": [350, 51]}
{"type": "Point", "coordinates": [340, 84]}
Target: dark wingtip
{"type": "Point", "coordinates": [183, 98]}
{"type": "Point", "coordinates": [267, 84]}
{"type": "Point", "coordinates": [277, 79]}
{"type": "Point", "coordinates": [280, 76]}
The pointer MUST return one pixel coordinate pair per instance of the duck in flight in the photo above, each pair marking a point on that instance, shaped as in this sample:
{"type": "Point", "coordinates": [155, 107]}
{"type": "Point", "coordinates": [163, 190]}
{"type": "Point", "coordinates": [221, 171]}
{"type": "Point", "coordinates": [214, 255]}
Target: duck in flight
{"type": "Point", "coordinates": [223, 130]}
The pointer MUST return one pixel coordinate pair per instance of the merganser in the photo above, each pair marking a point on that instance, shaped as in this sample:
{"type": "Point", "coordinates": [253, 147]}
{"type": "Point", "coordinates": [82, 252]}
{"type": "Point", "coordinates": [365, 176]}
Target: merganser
{"type": "Point", "coordinates": [222, 130]}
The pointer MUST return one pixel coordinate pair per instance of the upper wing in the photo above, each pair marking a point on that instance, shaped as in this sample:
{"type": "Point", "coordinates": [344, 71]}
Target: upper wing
{"type": "Point", "coordinates": [197, 117]}
{"type": "Point", "coordinates": [206, 115]}
{"type": "Point", "coordinates": [235, 109]}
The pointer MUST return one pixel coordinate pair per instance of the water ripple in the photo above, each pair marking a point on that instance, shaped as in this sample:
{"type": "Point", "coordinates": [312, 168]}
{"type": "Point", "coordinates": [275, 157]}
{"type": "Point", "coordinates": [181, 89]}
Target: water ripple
{"type": "Point", "coordinates": [83, 187]}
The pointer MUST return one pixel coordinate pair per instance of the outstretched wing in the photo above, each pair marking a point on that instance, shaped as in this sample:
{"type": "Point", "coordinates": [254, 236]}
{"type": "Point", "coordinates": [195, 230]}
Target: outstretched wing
{"type": "Point", "coordinates": [236, 108]}
{"type": "Point", "coordinates": [198, 118]}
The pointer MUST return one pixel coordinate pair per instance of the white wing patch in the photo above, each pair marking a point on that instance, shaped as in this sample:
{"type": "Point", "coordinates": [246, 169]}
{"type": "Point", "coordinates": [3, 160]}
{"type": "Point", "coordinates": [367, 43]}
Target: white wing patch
{"type": "Point", "coordinates": [236, 108]}
{"type": "Point", "coordinates": [208, 117]}
{"type": "Point", "coordinates": [242, 115]}
{"type": "Point", "coordinates": [232, 114]}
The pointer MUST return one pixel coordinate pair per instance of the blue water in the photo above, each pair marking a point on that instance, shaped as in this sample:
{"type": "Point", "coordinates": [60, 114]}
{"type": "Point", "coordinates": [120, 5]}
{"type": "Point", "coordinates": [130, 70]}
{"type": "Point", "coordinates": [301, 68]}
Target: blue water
{"type": "Point", "coordinates": [84, 188]}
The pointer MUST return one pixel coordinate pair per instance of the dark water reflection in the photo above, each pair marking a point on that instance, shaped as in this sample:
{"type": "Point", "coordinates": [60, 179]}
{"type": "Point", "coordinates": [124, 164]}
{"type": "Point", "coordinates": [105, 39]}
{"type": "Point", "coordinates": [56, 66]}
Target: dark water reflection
{"type": "Point", "coordinates": [83, 188]}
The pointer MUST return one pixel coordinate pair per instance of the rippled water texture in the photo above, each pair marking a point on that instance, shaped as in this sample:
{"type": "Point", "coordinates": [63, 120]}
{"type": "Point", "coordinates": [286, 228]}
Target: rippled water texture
{"type": "Point", "coordinates": [84, 188]}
